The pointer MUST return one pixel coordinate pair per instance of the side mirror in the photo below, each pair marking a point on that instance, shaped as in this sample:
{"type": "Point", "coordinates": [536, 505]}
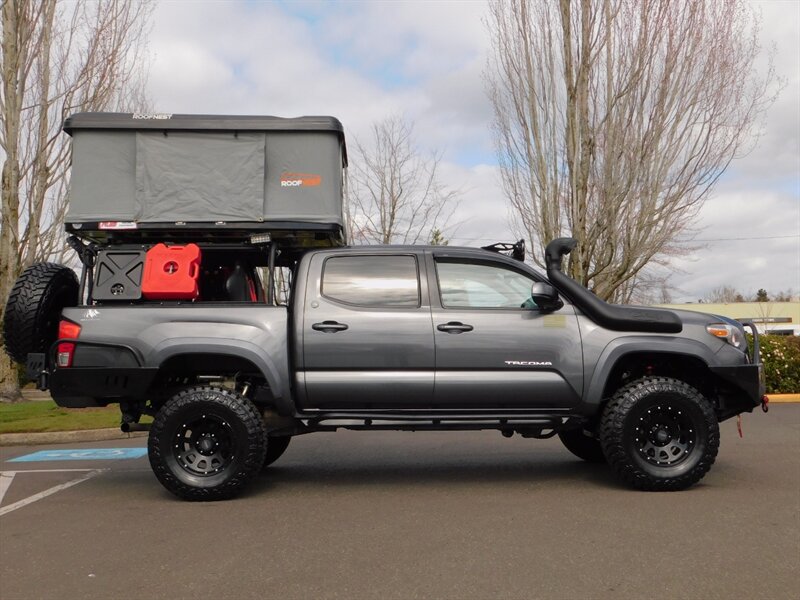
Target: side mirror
{"type": "Point", "coordinates": [545, 296]}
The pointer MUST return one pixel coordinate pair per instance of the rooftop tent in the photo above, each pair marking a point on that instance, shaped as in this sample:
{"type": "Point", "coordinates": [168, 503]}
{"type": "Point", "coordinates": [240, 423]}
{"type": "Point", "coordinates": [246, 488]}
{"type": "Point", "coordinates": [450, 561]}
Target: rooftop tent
{"type": "Point", "coordinates": [205, 171]}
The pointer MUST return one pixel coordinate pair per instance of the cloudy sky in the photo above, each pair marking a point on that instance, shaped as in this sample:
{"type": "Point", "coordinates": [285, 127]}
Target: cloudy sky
{"type": "Point", "coordinates": [362, 61]}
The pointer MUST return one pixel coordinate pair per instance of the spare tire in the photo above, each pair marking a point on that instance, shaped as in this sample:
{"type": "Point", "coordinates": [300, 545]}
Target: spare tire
{"type": "Point", "coordinates": [34, 308]}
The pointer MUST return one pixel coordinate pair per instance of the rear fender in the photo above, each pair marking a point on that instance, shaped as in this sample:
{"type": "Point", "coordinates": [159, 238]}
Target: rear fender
{"type": "Point", "coordinates": [264, 362]}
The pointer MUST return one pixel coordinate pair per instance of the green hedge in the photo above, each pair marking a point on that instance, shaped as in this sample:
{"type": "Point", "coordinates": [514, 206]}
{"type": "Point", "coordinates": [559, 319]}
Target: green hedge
{"type": "Point", "coordinates": [781, 357]}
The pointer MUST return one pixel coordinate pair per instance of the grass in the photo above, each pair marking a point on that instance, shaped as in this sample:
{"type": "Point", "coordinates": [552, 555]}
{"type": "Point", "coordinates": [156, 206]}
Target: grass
{"type": "Point", "coordinates": [45, 415]}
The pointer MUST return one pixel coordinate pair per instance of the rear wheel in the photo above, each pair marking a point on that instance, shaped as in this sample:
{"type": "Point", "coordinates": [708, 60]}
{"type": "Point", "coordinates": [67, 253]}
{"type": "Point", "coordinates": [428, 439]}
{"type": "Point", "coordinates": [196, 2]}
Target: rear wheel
{"type": "Point", "coordinates": [659, 434]}
{"type": "Point", "coordinates": [207, 443]}
{"type": "Point", "coordinates": [583, 446]}
{"type": "Point", "coordinates": [34, 307]}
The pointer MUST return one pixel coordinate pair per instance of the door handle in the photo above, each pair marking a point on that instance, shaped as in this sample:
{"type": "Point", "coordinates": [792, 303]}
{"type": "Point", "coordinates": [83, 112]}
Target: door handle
{"type": "Point", "coordinates": [454, 327]}
{"type": "Point", "coordinates": [329, 326]}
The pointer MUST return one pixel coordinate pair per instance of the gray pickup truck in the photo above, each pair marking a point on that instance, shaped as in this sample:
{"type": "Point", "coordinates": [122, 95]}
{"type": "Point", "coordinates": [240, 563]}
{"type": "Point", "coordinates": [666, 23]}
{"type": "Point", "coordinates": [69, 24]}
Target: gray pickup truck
{"type": "Point", "coordinates": [378, 338]}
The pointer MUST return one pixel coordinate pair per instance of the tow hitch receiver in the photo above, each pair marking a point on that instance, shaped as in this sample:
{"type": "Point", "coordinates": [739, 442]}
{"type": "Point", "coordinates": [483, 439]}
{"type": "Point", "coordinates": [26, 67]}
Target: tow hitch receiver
{"type": "Point", "coordinates": [765, 403]}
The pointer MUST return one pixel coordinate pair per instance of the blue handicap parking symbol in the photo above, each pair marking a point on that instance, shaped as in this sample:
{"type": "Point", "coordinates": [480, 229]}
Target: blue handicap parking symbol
{"type": "Point", "coordinates": [85, 454]}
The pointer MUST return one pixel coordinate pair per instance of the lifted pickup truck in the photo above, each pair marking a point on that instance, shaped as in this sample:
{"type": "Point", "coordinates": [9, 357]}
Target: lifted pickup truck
{"type": "Point", "coordinates": [410, 338]}
{"type": "Point", "coordinates": [368, 338]}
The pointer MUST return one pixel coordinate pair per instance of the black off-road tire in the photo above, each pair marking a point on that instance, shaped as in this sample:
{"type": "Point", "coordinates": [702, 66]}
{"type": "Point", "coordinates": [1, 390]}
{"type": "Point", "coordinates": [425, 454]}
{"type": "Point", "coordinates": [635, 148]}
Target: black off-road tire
{"type": "Point", "coordinates": [34, 307]}
{"type": "Point", "coordinates": [207, 443]}
{"type": "Point", "coordinates": [659, 434]}
{"type": "Point", "coordinates": [276, 446]}
{"type": "Point", "coordinates": [582, 446]}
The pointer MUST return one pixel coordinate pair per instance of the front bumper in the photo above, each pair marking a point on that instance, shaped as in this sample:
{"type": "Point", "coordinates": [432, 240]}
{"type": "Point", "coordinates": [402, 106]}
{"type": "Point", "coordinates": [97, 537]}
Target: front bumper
{"type": "Point", "coordinates": [744, 385]}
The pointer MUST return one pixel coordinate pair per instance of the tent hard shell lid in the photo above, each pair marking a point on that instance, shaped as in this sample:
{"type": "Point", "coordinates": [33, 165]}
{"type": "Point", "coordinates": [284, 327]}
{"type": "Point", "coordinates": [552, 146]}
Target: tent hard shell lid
{"type": "Point", "coordinates": [135, 175]}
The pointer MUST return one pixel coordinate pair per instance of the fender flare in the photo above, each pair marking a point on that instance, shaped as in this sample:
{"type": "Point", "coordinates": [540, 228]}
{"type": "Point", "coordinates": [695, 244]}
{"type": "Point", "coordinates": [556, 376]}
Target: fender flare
{"type": "Point", "coordinates": [238, 348]}
{"type": "Point", "coordinates": [623, 346]}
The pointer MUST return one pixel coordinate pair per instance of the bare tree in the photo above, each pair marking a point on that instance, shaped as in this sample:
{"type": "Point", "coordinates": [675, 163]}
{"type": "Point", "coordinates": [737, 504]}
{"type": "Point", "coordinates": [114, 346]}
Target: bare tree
{"type": "Point", "coordinates": [648, 286]}
{"type": "Point", "coordinates": [724, 294]}
{"type": "Point", "coordinates": [393, 192]}
{"type": "Point", "coordinates": [57, 58]}
{"type": "Point", "coordinates": [614, 119]}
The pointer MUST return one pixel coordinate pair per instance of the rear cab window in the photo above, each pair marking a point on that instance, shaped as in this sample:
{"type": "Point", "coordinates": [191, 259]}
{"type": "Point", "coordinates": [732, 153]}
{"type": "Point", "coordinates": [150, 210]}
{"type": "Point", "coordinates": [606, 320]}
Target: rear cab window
{"type": "Point", "coordinates": [375, 281]}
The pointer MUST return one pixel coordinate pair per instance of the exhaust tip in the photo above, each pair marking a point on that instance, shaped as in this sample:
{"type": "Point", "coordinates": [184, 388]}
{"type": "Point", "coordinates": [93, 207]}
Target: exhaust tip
{"type": "Point", "coordinates": [126, 427]}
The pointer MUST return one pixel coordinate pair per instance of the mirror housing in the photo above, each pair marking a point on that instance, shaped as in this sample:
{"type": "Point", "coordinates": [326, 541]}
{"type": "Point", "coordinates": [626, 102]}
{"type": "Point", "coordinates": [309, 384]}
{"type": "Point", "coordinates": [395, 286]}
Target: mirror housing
{"type": "Point", "coordinates": [545, 296]}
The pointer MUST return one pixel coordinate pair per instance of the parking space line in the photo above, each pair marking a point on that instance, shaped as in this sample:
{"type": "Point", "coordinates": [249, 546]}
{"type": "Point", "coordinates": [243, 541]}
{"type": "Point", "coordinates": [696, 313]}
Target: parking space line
{"type": "Point", "coordinates": [12, 473]}
{"type": "Point", "coordinates": [5, 481]}
{"type": "Point", "coordinates": [48, 492]}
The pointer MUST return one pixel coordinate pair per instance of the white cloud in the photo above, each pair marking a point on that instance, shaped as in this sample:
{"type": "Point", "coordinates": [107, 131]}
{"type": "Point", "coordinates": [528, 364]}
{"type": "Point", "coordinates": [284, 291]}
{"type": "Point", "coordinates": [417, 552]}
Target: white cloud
{"type": "Point", "coordinates": [235, 58]}
{"type": "Point", "coordinates": [750, 245]}
{"type": "Point", "coordinates": [778, 151]}
{"type": "Point", "coordinates": [481, 217]}
{"type": "Point", "coordinates": [191, 68]}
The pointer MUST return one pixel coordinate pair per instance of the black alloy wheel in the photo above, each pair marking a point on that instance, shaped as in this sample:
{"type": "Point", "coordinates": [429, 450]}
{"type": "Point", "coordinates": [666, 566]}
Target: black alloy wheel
{"type": "Point", "coordinates": [659, 434]}
{"type": "Point", "coordinates": [207, 443]}
{"type": "Point", "coordinates": [204, 446]}
{"type": "Point", "coordinates": [665, 435]}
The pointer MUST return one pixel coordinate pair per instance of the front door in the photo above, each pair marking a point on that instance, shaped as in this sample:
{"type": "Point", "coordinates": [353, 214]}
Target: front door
{"type": "Point", "coordinates": [494, 348]}
{"type": "Point", "coordinates": [367, 333]}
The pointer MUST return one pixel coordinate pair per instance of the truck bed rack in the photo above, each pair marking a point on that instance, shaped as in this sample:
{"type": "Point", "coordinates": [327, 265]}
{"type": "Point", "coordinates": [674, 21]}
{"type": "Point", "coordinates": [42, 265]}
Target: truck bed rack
{"type": "Point", "coordinates": [290, 234]}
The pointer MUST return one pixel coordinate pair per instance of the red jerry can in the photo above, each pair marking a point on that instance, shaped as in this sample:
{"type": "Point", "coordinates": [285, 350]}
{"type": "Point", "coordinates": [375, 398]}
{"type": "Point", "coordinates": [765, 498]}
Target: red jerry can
{"type": "Point", "coordinates": [170, 272]}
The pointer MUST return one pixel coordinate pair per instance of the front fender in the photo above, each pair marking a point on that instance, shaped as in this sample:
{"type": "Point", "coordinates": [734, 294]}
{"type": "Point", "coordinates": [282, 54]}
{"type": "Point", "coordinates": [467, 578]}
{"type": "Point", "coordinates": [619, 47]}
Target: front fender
{"type": "Point", "coordinates": [623, 346]}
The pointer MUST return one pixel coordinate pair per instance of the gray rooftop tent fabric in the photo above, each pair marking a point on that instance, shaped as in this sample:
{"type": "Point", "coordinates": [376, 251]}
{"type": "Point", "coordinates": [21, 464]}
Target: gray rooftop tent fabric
{"type": "Point", "coordinates": [205, 169]}
{"type": "Point", "coordinates": [199, 176]}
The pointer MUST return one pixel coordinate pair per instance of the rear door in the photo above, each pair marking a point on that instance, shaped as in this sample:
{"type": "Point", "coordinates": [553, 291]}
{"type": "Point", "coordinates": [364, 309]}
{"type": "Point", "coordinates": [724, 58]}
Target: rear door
{"type": "Point", "coordinates": [367, 332]}
{"type": "Point", "coordinates": [494, 348]}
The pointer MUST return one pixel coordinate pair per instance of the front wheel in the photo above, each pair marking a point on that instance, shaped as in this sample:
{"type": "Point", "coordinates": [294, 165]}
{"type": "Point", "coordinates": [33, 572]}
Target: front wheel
{"type": "Point", "coordinates": [206, 443]}
{"type": "Point", "coordinates": [659, 434]}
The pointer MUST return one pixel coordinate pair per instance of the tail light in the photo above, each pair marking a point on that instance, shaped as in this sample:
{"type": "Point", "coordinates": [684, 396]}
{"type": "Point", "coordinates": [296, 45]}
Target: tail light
{"type": "Point", "coordinates": [65, 351]}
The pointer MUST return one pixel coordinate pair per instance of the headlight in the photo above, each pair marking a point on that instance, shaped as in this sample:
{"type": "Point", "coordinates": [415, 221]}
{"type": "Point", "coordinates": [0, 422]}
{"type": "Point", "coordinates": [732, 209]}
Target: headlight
{"type": "Point", "coordinates": [729, 333]}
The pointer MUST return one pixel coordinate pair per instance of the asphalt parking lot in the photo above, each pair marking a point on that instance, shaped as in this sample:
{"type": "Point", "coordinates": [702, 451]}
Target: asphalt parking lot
{"type": "Point", "coordinates": [408, 515]}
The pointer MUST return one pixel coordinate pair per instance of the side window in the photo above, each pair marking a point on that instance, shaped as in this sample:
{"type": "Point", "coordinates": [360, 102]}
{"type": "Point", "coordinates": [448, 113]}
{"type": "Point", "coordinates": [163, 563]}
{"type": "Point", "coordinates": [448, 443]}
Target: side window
{"type": "Point", "coordinates": [468, 285]}
{"type": "Point", "coordinates": [389, 281]}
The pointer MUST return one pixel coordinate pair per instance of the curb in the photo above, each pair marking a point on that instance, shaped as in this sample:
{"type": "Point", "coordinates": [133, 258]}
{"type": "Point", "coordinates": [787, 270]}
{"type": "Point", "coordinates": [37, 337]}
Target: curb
{"type": "Point", "coordinates": [783, 398]}
{"type": "Point", "coordinates": [66, 437]}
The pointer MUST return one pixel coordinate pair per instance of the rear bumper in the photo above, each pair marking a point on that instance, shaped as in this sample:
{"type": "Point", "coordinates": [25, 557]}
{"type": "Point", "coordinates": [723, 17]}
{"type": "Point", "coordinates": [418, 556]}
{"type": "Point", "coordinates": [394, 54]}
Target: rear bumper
{"type": "Point", "coordinates": [77, 387]}
{"type": "Point", "coordinates": [113, 373]}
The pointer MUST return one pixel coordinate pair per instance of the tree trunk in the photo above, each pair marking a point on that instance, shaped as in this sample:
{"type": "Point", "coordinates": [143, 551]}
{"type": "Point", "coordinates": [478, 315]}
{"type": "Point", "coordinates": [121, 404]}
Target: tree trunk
{"type": "Point", "coordinates": [9, 385]}
{"type": "Point", "coordinates": [12, 60]}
